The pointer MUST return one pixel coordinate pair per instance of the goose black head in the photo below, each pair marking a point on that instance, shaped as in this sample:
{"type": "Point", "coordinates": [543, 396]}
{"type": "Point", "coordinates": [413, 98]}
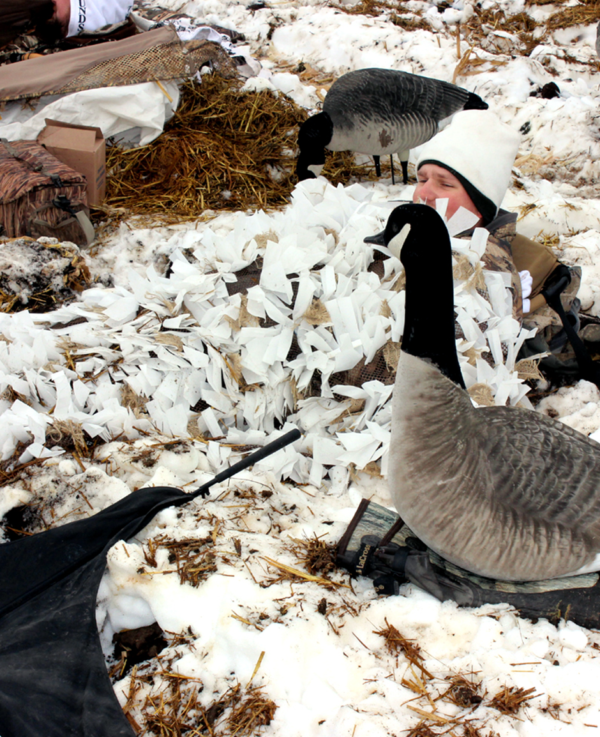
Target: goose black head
{"type": "Point", "coordinates": [427, 239]}
{"type": "Point", "coordinates": [474, 102]}
{"type": "Point", "coordinates": [315, 133]}
{"type": "Point", "coordinates": [426, 254]}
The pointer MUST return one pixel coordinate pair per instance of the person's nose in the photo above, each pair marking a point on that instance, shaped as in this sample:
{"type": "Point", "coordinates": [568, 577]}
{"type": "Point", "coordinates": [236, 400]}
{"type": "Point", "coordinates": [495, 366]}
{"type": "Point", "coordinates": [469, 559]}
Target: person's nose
{"type": "Point", "coordinates": [426, 192]}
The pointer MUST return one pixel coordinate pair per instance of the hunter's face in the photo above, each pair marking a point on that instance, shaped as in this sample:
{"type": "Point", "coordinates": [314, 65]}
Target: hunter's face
{"type": "Point", "coordinates": [436, 183]}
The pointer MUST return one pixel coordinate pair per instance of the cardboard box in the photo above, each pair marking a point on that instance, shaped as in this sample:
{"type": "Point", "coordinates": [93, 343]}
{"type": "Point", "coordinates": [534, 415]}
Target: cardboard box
{"type": "Point", "coordinates": [83, 148]}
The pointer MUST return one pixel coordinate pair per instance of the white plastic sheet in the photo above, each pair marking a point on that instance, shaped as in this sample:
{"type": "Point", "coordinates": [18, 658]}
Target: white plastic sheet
{"type": "Point", "coordinates": [144, 107]}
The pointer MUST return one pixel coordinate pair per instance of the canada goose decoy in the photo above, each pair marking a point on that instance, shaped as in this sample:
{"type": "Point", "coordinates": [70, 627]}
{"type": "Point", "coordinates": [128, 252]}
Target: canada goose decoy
{"type": "Point", "coordinates": [503, 492]}
{"type": "Point", "coordinates": [378, 112]}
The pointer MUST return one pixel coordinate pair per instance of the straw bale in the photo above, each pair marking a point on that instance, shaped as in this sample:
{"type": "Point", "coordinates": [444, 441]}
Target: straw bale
{"type": "Point", "coordinates": [222, 150]}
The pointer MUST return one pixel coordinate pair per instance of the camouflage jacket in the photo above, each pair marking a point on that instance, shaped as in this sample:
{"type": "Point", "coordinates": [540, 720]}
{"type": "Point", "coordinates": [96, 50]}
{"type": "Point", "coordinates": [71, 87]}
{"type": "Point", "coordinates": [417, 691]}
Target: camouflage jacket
{"type": "Point", "coordinates": [526, 254]}
{"type": "Point", "coordinates": [498, 256]}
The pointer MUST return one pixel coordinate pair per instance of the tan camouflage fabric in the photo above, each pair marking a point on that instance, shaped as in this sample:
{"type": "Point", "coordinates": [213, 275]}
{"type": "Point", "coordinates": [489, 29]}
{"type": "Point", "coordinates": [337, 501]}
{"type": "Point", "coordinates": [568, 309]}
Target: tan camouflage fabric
{"type": "Point", "coordinates": [498, 257]}
{"type": "Point", "coordinates": [155, 55]}
{"type": "Point", "coordinates": [526, 254]}
{"type": "Point", "coordinates": [32, 178]}
{"type": "Point", "coordinates": [541, 262]}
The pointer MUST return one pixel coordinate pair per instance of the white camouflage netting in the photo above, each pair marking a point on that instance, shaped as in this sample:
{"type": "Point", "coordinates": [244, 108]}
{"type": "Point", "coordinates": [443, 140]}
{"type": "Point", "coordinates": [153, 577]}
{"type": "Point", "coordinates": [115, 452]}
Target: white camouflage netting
{"type": "Point", "coordinates": [178, 339]}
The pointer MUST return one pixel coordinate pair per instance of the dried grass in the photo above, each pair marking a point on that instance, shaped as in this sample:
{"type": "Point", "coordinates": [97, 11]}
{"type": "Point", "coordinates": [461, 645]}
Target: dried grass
{"type": "Point", "coordinates": [315, 555]}
{"type": "Point", "coordinates": [470, 64]}
{"type": "Point", "coordinates": [583, 14]}
{"type": "Point", "coordinates": [177, 711]}
{"type": "Point", "coordinates": [532, 163]}
{"type": "Point", "coordinates": [409, 22]}
{"type": "Point", "coordinates": [68, 435]}
{"type": "Point", "coordinates": [482, 394]}
{"type": "Point", "coordinates": [511, 699]}
{"type": "Point", "coordinates": [317, 313]}
{"type": "Point", "coordinates": [463, 692]}
{"type": "Point", "coordinates": [132, 400]}
{"type": "Point", "coordinates": [244, 319]}
{"type": "Point", "coordinates": [422, 730]}
{"type": "Point", "coordinates": [525, 210]}
{"type": "Point", "coordinates": [529, 369]}
{"type": "Point", "coordinates": [288, 573]}
{"type": "Point", "coordinates": [222, 150]}
{"type": "Point", "coordinates": [57, 270]}
{"type": "Point", "coordinates": [396, 643]}
{"type": "Point", "coordinates": [522, 24]}
{"type": "Point", "coordinates": [391, 355]}
{"type": "Point", "coordinates": [464, 270]}
{"type": "Point", "coordinates": [194, 558]}
{"type": "Point", "coordinates": [365, 7]}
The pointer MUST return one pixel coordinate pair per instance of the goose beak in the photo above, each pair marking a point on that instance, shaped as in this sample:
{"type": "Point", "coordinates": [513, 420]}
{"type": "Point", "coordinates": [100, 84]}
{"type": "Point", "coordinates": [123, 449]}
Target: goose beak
{"type": "Point", "coordinates": [376, 240]}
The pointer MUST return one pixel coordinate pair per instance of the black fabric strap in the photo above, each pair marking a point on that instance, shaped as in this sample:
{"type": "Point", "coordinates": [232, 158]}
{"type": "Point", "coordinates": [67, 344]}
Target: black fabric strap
{"type": "Point", "coordinates": [555, 285]}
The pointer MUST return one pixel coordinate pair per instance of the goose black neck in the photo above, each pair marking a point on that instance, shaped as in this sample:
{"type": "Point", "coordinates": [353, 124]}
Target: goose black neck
{"type": "Point", "coordinates": [429, 308]}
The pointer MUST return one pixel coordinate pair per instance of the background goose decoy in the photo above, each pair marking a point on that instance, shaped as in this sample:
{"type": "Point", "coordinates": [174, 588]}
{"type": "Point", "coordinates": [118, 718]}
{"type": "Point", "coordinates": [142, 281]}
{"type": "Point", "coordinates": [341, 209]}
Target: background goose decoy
{"type": "Point", "coordinates": [503, 492]}
{"type": "Point", "coordinates": [377, 112]}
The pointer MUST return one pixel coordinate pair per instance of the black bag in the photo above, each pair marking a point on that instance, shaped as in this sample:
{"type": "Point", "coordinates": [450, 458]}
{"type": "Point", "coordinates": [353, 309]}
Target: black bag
{"type": "Point", "coordinates": [379, 545]}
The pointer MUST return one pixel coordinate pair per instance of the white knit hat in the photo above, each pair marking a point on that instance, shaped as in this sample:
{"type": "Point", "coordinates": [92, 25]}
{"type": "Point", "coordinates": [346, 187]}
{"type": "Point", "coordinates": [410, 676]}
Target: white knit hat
{"type": "Point", "coordinates": [480, 148]}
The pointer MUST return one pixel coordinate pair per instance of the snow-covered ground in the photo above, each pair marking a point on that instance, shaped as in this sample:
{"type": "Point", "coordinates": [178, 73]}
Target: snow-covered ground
{"type": "Point", "coordinates": [129, 363]}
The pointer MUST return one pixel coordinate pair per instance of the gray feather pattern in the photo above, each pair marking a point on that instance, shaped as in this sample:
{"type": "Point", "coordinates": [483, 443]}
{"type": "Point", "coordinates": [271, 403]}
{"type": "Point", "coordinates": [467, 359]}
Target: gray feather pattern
{"type": "Point", "coordinates": [504, 492]}
{"type": "Point", "coordinates": [381, 111]}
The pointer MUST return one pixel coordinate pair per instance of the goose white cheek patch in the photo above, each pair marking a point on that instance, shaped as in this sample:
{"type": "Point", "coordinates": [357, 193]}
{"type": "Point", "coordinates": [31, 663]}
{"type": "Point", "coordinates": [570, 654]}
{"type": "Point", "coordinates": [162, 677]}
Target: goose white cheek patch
{"type": "Point", "coordinates": [316, 169]}
{"type": "Point", "coordinates": [395, 245]}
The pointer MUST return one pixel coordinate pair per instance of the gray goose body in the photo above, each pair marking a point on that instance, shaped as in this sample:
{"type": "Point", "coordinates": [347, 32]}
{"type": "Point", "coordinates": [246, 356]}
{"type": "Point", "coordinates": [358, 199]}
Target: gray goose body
{"type": "Point", "coordinates": [504, 492]}
{"type": "Point", "coordinates": [378, 112]}
{"type": "Point", "coordinates": [382, 111]}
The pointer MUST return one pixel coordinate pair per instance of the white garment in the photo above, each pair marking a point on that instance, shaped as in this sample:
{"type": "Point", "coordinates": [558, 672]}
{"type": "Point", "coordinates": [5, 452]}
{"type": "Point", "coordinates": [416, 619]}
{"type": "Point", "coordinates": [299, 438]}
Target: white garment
{"type": "Point", "coordinates": [526, 285]}
{"type": "Point", "coordinates": [90, 15]}
{"type": "Point", "coordinates": [480, 147]}
{"type": "Point", "coordinates": [188, 30]}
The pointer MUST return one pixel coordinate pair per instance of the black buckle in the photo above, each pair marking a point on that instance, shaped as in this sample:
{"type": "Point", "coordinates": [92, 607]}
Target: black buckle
{"type": "Point", "coordinates": [64, 203]}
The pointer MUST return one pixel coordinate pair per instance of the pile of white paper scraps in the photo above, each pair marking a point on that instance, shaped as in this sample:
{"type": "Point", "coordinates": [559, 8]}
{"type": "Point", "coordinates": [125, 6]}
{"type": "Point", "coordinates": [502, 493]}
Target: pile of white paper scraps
{"type": "Point", "coordinates": [182, 341]}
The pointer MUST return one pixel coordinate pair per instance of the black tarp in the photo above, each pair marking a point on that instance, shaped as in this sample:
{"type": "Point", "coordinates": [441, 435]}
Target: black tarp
{"type": "Point", "coordinates": [53, 677]}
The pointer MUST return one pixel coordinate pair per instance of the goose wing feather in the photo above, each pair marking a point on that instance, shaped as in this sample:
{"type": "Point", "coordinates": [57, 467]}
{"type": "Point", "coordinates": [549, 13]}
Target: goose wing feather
{"type": "Point", "coordinates": [544, 469]}
{"type": "Point", "coordinates": [385, 95]}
